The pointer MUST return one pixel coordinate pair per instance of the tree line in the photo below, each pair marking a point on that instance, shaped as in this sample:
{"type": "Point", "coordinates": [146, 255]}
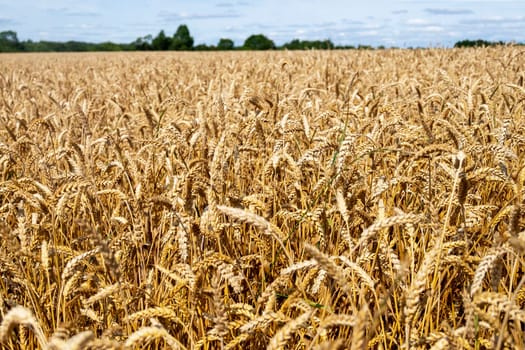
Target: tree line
{"type": "Point", "coordinates": [480, 43]}
{"type": "Point", "coordinates": [182, 40]}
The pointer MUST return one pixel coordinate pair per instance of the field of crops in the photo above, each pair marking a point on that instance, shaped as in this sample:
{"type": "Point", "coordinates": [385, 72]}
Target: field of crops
{"type": "Point", "coordinates": [305, 200]}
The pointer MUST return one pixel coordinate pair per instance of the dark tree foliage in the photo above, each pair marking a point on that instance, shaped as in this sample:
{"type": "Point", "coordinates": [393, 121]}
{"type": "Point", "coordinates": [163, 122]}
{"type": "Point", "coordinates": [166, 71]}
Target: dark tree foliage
{"type": "Point", "coordinates": [225, 44]}
{"type": "Point", "coordinates": [143, 43]}
{"type": "Point", "coordinates": [9, 41]}
{"type": "Point", "coordinates": [297, 44]}
{"type": "Point", "coordinates": [204, 47]}
{"type": "Point", "coordinates": [477, 43]}
{"type": "Point", "coordinates": [182, 40]}
{"type": "Point", "coordinates": [161, 42]}
{"type": "Point", "coordinates": [258, 42]}
{"type": "Point", "coordinates": [72, 46]}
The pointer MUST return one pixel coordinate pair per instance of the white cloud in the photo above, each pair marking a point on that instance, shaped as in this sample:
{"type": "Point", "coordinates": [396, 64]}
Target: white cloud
{"type": "Point", "coordinates": [368, 33]}
{"type": "Point", "coordinates": [171, 16]}
{"type": "Point", "coordinates": [448, 11]}
{"type": "Point", "coordinates": [432, 29]}
{"type": "Point", "coordinates": [417, 22]}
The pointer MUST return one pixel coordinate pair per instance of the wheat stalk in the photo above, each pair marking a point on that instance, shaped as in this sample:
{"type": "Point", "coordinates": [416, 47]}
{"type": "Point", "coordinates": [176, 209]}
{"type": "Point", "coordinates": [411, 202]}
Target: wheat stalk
{"type": "Point", "coordinates": [284, 335]}
{"type": "Point", "coordinates": [19, 315]}
{"type": "Point", "coordinates": [146, 334]}
{"type": "Point", "coordinates": [259, 222]}
{"type": "Point", "coordinates": [223, 206]}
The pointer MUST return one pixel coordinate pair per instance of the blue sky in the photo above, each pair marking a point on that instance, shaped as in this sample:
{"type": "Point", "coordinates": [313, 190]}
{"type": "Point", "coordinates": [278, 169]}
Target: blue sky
{"type": "Point", "coordinates": [374, 22]}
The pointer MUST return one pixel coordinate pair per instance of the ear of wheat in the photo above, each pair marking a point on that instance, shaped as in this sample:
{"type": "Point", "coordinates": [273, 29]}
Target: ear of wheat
{"type": "Point", "coordinates": [284, 199]}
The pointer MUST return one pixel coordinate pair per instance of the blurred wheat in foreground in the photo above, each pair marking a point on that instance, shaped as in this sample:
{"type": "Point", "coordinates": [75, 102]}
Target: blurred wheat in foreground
{"type": "Point", "coordinates": [276, 200]}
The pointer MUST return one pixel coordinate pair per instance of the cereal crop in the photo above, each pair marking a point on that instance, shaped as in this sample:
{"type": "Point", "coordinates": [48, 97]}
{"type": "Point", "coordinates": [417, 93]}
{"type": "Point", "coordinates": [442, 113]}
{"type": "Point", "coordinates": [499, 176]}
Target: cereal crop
{"type": "Point", "coordinates": [263, 200]}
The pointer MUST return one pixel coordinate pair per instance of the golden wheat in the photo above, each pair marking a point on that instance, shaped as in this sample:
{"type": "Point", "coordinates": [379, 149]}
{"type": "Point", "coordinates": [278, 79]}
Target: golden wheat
{"type": "Point", "coordinates": [345, 199]}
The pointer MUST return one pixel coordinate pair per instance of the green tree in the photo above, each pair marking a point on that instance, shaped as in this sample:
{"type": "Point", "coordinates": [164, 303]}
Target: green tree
{"type": "Point", "coordinates": [9, 41]}
{"type": "Point", "coordinates": [297, 44]}
{"type": "Point", "coordinates": [203, 47]}
{"type": "Point", "coordinates": [108, 46]}
{"type": "Point", "coordinates": [258, 42]}
{"type": "Point", "coordinates": [477, 43]}
{"type": "Point", "coordinates": [143, 43]}
{"type": "Point", "coordinates": [225, 44]}
{"type": "Point", "coordinates": [161, 41]}
{"type": "Point", "coordinates": [182, 40]}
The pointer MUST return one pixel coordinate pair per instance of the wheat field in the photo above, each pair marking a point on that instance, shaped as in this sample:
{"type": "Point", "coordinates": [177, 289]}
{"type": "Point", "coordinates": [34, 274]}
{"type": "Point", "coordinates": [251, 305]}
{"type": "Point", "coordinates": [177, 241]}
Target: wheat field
{"type": "Point", "coordinates": [269, 200]}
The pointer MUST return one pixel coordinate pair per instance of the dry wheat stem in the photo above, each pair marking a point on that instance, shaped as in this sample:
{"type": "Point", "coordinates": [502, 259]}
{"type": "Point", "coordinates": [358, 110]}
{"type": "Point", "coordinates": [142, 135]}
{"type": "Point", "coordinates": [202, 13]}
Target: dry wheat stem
{"type": "Point", "coordinates": [19, 315]}
{"type": "Point", "coordinates": [217, 198]}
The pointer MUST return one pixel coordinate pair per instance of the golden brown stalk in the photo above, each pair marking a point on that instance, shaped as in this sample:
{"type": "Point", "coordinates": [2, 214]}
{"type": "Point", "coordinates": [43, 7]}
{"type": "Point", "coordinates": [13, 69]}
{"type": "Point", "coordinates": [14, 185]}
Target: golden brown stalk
{"type": "Point", "coordinates": [333, 270]}
{"type": "Point", "coordinates": [103, 293]}
{"type": "Point", "coordinates": [417, 286]}
{"type": "Point", "coordinates": [259, 222]}
{"type": "Point", "coordinates": [159, 311]}
{"type": "Point", "coordinates": [147, 334]}
{"type": "Point", "coordinates": [285, 334]}
{"type": "Point", "coordinates": [19, 315]}
{"type": "Point", "coordinates": [484, 266]}
{"type": "Point", "coordinates": [401, 219]}
{"type": "Point", "coordinates": [359, 332]}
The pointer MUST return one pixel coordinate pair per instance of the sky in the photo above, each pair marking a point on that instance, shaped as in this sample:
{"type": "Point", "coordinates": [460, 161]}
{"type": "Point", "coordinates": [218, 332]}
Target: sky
{"type": "Point", "coordinates": [400, 23]}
